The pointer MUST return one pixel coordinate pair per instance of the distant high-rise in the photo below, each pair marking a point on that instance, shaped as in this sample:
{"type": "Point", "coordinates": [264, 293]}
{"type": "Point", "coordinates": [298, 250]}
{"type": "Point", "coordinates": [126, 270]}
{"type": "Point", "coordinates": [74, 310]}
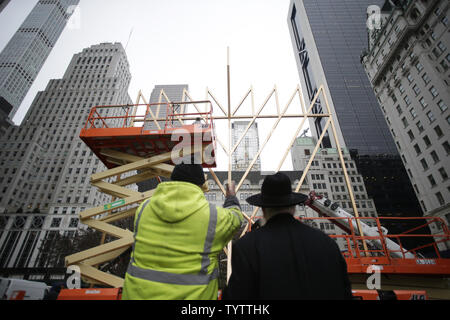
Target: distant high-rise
{"type": "Point", "coordinates": [328, 38]}
{"type": "Point", "coordinates": [25, 54]}
{"type": "Point", "coordinates": [247, 149]}
{"type": "Point", "coordinates": [408, 64]}
{"type": "Point", "coordinates": [3, 4]}
{"type": "Point", "coordinates": [160, 93]}
{"type": "Point", "coordinates": [44, 165]}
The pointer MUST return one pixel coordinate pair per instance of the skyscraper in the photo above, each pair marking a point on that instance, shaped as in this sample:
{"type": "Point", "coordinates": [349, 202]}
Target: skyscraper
{"type": "Point", "coordinates": [26, 52]}
{"type": "Point", "coordinates": [175, 94]}
{"type": "Point", "coordinates": [248, 147]}
{"type": "Point", "coordinates": [38, 167]}
{"type": "Point", "coordinates": [408, 64]}
{"type": "Point", "coordinates": [328, 38]}
{"type": "Point", "coordinates": [3, 4]}
{"type": "Point", "coordinates": [44, 166]}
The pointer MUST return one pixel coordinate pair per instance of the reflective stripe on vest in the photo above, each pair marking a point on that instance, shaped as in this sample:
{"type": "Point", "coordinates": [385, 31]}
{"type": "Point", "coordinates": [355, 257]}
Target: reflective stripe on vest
{"type": "Point", "coordinates": [202, 278]}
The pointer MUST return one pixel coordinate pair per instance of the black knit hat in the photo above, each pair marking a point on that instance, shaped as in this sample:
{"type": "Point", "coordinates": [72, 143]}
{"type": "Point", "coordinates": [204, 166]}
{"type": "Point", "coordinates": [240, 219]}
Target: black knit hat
{"type": "Point", "coordinates": [192, 173]}
{"type": "Point", "coordinates": [276, 191]}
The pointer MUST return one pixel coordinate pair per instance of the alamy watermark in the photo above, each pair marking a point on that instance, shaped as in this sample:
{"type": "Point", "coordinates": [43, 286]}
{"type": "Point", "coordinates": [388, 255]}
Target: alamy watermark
{"type": "Point", "coordinates": [74, 279]}
{"type": "Point", "coordinates": [74, 22]}
{"type": "Point", "coordinates": [374, 281]}
{"type": "Point", "coordinates": [373, 17]}
{"type": "Point", "coordinates": [181, 152]}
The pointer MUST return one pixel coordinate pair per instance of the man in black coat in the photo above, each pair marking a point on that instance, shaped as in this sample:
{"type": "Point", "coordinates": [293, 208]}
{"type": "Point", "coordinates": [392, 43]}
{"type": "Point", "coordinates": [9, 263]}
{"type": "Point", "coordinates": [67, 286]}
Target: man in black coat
{"type": "Point", "coordinates": [285, 259]}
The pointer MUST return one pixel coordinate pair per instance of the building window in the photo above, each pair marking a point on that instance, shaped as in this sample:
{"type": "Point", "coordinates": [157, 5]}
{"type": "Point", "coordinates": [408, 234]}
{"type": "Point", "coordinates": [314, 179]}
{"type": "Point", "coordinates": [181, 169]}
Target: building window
{"type": "Point", "coordinates": [424, 164]}
{"type": "Point", "coordinates": [410, 78]}
{"type": "Point", "coordinates": [419, 66]}
{"type": "Point", "coordinates": [73, 223]}
{"type": "Point", "coordinates": [432, 181]}
{"type": "Point", "coordinates": [427, 141]}
{"type": "Point", "coordinates": [401, 89]}
{"type": "Point", "coordinates": [426, 78]}
{"type": "Point", "coordinates": [420, 126]}
{"type": "Point", "coordinates": [444, 65]}
{"type": "Point", "coordinates": [416, 90]}
{"type": "Point", "coordinates": [434, 156]}
{"type": "Point", "coordinates": [441, 104]}
{"type": "Point", "coordinates": [407, 100]}
{"type": "Point", "coordinates": [443, 174]}
{"type": "Point", "coordinates": [394, 98]}
{"type": "Point", "coordinates": [434, 92]}
{"type": "Point", "coordinates": [55, 222]}
{"type": "Point", "coordinates": [440, 198]}
{"type": "Point", "coordinates": [405, 122]}
{"type": "Point", "coordinates": [430, 116]}
{"type": "Point", "coordinates": [440, 48]}
{"type": "Point", "coordinates": [413, 113]}
{"type": "Point", "coordinates": [438, 131]}
{"type": "Point", "coordinates": [445, 21]}
{"type": "Point", "coordinates": [446, 146]}
{"type": "Point", "coordinates": [423, 102]}
{"type": "Point", "coordinates": [399, 110]}
{"type": "Point", "coordinates": [411, 135]}
{"type": "Point", "coordinates": [417, 148]}
{"type": "Point", "coordinates": [423, 205]}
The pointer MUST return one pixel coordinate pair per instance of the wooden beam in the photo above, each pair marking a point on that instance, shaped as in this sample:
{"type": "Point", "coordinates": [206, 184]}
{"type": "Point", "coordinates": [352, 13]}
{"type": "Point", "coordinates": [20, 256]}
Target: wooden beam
{"type": "Point", "coordinates": [96, 251]}
{"type": "Point", "coordinates": [126, 201]}
{"type": "Point", "coordinates": [100, 276]}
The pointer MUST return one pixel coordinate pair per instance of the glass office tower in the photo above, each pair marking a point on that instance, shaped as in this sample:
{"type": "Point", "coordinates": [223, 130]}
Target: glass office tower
{"type": "Point", "coordinates": [328, 38]}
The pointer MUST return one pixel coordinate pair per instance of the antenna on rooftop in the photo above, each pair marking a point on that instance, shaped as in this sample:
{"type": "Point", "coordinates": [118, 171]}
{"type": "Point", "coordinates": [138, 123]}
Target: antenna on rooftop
{"type": "Point", "coordinates": [129, 37]}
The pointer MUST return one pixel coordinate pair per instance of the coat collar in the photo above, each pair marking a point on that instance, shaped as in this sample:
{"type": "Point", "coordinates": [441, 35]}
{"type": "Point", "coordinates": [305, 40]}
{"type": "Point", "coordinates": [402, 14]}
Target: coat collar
{"type": "Point", "coordinates": [284, 216]}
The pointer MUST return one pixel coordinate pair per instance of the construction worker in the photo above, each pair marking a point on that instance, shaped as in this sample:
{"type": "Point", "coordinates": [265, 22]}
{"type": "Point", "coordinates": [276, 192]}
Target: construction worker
{"type": "Point", "coordinates": [285, 259]}
{"type": "Point", "coordinates": [178, 238]}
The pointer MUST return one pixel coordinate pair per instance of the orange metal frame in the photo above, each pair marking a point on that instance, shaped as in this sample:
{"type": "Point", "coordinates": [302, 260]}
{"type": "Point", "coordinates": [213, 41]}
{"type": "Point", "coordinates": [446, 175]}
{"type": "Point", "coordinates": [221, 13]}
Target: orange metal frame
{"type": "Point", "coordinates": [397, 295]}
{"type": "Point", "coordinates": [358, 259]}
{"type": "Point", "coordinates": [116, 132]}
{"type": "Point", "coordinates": [91, 294]}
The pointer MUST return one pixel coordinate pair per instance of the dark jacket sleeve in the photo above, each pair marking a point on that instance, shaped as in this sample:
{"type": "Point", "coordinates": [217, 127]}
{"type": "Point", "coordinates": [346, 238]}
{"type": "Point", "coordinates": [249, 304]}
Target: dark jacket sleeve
{"type": "Point", "coordinates": [242, 283]}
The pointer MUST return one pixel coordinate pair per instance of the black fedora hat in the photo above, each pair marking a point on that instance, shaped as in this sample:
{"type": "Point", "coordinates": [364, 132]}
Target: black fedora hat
{"type": "Point", "coordinates": [276, 191]}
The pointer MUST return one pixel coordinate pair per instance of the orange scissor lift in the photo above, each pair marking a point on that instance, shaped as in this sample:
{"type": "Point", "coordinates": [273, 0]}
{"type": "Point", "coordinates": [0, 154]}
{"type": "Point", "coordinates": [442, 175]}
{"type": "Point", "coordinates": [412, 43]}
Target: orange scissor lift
{"type": "Point", "coordinates": [136, 153]}
{"type": "Point", "coordinates": [133, 154]}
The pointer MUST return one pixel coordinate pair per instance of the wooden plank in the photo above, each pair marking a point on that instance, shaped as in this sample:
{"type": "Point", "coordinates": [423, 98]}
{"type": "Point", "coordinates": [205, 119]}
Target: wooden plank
{"type": "Point", "coordinates": [100, 259]}
{"type": "Point", "coordinates": [129, 200]}
{"type": "Point", "coordinates": [100, 276]}
{"type": "Point", "coordinates": [142, 164]}
{"type": "Point", "coordinates": [109, 229]}
{"type": "Point", "coordinates": [119, 215]}
{"type": "Point", "coordinates": [148, 174]}
{"type": "Point", "coordinates": [96, 251]}
{"type": "Point", "coordinates": [122, 192]}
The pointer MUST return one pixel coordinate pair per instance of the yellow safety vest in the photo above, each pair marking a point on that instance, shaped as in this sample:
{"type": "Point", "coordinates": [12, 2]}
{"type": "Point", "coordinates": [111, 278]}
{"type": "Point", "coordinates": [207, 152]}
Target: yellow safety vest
{"type": "Point", "coordinates": [178, 237]}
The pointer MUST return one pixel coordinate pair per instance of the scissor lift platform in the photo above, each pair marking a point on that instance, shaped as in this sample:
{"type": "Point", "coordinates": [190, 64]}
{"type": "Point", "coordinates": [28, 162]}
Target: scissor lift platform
{"type": "Point", "coordinates": [134, 153]}
{"type": "Point", "coordinates": [115, 128]}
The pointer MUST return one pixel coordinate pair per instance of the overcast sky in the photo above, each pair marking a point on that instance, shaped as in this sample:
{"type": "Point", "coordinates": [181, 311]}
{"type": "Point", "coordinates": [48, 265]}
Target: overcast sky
{"type": "Point", "coordinates": [183, 42]}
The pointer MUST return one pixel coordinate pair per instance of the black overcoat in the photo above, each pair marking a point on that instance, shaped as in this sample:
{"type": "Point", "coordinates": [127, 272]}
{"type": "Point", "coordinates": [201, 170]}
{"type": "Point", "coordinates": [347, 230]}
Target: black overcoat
{"type": "Point", "coordinates": [287, 259]}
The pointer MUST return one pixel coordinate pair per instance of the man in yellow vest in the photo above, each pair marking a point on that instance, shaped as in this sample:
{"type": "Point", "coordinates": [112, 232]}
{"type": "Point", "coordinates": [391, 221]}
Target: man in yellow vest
{"type": "Point", "coordinates": [178, 238]}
